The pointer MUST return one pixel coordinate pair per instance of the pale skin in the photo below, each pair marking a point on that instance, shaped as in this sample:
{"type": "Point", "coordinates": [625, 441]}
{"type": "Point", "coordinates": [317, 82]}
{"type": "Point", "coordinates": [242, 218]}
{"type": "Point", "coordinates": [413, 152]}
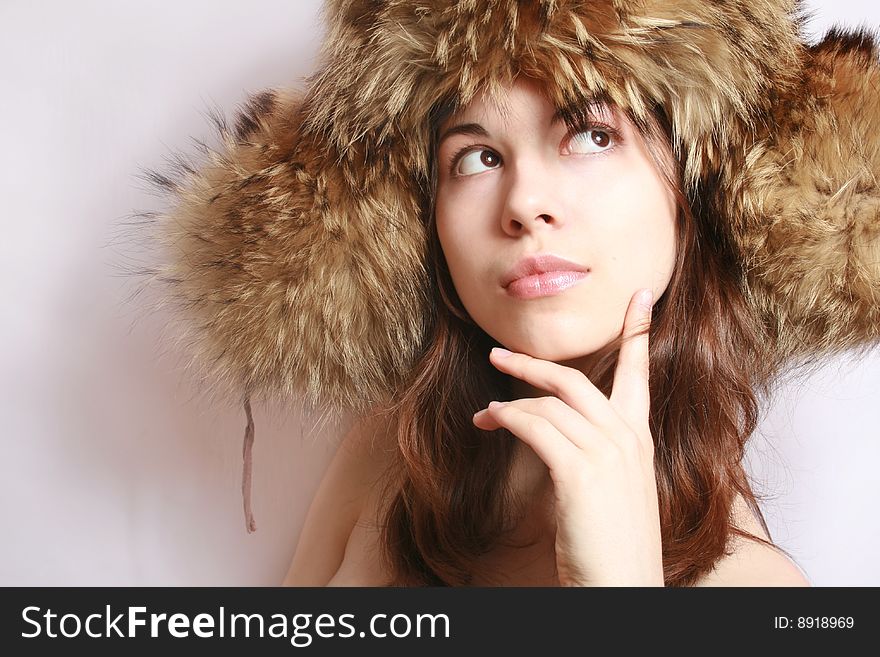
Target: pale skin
{"type": "Point", "coordinates": [524, 183]}
{"type": "Point", "coordinates": [339, 541]}
{"type": "Point", "coordinates": [515, 181]}
{"type": "Point", "coordinates": [600, 455]}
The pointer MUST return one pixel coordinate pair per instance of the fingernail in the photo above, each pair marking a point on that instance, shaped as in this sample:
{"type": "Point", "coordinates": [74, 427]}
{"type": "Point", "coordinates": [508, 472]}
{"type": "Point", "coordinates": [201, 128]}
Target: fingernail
{"type": "Point", "coordinates": [500, 352]}
{"type": "Point", "coordinates": [496, 404]}
{"type": "Point", "coordinates": [646, 299]}
{"type": "Point", "coordinates": [479, 414]}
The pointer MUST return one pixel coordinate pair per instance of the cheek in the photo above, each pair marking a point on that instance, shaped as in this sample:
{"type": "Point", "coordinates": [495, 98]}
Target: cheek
{"type": "Point", "coordinates": [457, 231]}
{"type": "Point", "coordinates": [640, 229]}
{"type": "Point", "coordinates": [446, 233]}
{"type": "Point", "coordinates": [662, 231]}
{"type": "Point", "coordinates": [449, 234]}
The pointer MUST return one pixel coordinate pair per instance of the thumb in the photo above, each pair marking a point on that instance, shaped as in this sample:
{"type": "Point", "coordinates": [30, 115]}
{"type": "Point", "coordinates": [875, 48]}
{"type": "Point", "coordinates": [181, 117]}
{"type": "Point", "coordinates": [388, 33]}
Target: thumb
{"type": "Point", "coordinates": [630, 395]}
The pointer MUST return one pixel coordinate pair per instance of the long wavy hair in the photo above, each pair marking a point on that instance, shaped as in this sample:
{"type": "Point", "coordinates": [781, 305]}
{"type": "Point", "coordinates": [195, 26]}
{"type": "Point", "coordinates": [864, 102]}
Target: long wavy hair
{"type": "Point", "coordinates": [449, 497]}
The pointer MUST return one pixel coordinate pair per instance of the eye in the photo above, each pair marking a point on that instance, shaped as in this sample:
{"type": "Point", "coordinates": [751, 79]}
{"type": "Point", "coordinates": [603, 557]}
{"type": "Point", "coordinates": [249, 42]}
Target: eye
{"type": "Point", "coordinates": [594, 140]}
{"type": "Point", "coordinates": [476, 161]}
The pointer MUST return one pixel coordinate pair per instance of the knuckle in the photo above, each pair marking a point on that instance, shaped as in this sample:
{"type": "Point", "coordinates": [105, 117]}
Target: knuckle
{"type": "Point", "coordinates": [638, 447]}
{"type": "Point", "coordinates": [537, 424]}
{"type": "Point", "coordinates": [609, 453]}
{"type": "Point", "coordinates": [575, 472]}
{"type": "Point", "coordinates": [575, 377]}
{"type": "Point", "coordinates": [548, 403]}
{"type": "Point", "coordinates": [576, 480]}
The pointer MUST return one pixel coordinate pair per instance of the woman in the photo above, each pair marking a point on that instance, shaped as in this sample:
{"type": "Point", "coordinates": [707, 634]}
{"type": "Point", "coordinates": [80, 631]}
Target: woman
{"type": "Point", "coordinates": [367, 244]}
{"type": "Point", "coordinates": [581, 483]}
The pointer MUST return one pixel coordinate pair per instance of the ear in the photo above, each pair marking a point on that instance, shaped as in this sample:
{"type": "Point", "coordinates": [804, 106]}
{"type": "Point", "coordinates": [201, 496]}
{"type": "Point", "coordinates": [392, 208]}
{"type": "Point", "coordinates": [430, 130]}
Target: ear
{"type": "Point", "coordinates": [292, 269]}
{"type": "Point", "coordinates": [809, 219]}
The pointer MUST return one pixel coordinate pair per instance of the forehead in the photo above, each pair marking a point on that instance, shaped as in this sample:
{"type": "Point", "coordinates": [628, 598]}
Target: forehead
{"type": "Point", "coordinates": [526, 103]}
{"type": "Point", "coordinates": [503, 98]}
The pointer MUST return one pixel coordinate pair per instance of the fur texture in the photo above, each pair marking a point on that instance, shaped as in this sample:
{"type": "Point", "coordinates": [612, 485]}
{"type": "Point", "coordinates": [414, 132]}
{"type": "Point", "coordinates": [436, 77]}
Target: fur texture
{"type": "Point", "coordinates": [806, 209]}
{"type": "Point", "coordinates": [296, 253]}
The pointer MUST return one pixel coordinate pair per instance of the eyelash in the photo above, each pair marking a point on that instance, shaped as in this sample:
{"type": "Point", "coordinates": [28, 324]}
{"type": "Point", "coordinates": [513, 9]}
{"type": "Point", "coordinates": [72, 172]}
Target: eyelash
{"type": "Point", "coordinates": [592, 125]}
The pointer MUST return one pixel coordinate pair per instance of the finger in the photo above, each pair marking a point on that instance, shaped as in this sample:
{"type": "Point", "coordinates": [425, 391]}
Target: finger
{"type": "Point", "coordinates": [567, 421]}
{"type": "Point", "coordinates": [568, 384]}
{"type": "Point", "coordinates": [553, 448]}
{"type": "Point", "coordinates": [630, 395]}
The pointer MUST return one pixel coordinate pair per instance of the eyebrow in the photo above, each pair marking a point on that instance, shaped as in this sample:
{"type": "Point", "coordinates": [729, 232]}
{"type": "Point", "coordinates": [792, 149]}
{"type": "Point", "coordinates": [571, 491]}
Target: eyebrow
{"type": "Point", "coordinates": [475, 129]}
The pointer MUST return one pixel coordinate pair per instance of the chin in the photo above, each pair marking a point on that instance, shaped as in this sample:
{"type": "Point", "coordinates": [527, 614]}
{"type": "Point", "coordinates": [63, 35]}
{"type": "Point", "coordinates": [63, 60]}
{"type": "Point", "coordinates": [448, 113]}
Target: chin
{"type": "Point", "coordinates": [557, 348]}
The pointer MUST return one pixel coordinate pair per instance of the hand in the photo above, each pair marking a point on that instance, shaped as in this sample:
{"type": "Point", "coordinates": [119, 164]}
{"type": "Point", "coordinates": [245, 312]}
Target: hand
{"type": "Point", "coordinates": [600, 454]}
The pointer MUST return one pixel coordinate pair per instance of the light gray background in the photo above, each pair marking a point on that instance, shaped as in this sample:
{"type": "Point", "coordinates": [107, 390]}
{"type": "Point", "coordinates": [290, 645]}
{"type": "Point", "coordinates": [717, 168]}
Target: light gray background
{"type": "Point", "coordinates": [114, 472]}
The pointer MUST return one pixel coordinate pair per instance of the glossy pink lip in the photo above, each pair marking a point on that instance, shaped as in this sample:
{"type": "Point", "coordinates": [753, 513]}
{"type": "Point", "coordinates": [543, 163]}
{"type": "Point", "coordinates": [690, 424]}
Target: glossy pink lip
{"type": "Point", "coordinates": [542, 275]}
{"type": "Point", "coordinates": [542, 285]}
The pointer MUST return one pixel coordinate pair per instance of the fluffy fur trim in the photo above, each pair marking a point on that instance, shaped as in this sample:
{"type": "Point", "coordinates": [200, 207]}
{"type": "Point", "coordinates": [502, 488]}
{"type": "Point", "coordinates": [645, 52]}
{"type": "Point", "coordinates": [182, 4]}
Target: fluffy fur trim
{"type": "Point", "coordinates": [806, 209]}
{"type": "Point", "coordinates": [296, 254]}
{"type": "Point", "coordinates": [295, 275]}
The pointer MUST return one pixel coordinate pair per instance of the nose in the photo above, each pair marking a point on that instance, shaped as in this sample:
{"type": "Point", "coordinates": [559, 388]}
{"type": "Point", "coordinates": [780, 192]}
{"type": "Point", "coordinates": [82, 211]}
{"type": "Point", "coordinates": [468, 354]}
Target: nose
{"type": "Point", "coordinates": [531, 203]}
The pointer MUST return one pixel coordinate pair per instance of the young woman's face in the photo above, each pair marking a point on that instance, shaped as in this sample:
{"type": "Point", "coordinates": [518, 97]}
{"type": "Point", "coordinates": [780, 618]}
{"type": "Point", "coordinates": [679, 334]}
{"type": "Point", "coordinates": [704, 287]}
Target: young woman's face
{"type": "Point", "coordinates": [519, 183]}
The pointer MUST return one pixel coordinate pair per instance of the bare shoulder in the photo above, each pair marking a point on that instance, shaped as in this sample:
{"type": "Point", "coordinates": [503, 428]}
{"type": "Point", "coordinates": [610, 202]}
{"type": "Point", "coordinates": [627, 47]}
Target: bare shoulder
{"type": "Point", "coordinates": [752, 563]}
{"type": "Point", "coordinates": [352, 479]}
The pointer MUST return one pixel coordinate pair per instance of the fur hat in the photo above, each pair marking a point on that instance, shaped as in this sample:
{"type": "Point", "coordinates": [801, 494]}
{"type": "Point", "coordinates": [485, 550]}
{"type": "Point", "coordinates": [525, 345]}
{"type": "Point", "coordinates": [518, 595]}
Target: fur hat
{"type": "Point", "coordinates": [296, 253]}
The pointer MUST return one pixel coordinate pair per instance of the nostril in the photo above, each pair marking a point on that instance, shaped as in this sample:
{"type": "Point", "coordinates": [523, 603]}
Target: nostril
{"type": "Point", "coordinates": [521, 224]}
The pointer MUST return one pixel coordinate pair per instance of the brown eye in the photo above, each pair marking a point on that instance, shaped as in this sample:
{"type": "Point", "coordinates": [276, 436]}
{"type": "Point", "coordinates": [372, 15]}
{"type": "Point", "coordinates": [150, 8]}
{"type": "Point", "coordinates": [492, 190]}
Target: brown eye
{"type": "Point", "coordinates": [591, 141]}
{"type": "Point", "coordinates": [477, 161]}
{"type": "Point", "coordinates": [488, 158]}
{"type": "Point", "coordinates": [601, 139]}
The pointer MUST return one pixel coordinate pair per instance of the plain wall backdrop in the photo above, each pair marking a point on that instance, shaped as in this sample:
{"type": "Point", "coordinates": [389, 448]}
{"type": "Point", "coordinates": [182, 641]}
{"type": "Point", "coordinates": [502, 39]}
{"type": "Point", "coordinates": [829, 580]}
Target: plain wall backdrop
{"type": "Point", "coordinates": [114, 470]}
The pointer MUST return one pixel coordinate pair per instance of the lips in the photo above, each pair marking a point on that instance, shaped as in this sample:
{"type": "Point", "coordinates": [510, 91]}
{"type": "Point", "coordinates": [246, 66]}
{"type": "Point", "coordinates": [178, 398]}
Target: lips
{"type": "Point", "coordinates": [540, 264]}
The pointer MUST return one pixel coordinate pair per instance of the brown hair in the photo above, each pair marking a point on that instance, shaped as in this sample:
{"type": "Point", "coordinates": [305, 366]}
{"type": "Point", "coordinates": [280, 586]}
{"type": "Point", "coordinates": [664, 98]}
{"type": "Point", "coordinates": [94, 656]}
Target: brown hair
{"type": "Point", "coordinates": [451, 501]}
